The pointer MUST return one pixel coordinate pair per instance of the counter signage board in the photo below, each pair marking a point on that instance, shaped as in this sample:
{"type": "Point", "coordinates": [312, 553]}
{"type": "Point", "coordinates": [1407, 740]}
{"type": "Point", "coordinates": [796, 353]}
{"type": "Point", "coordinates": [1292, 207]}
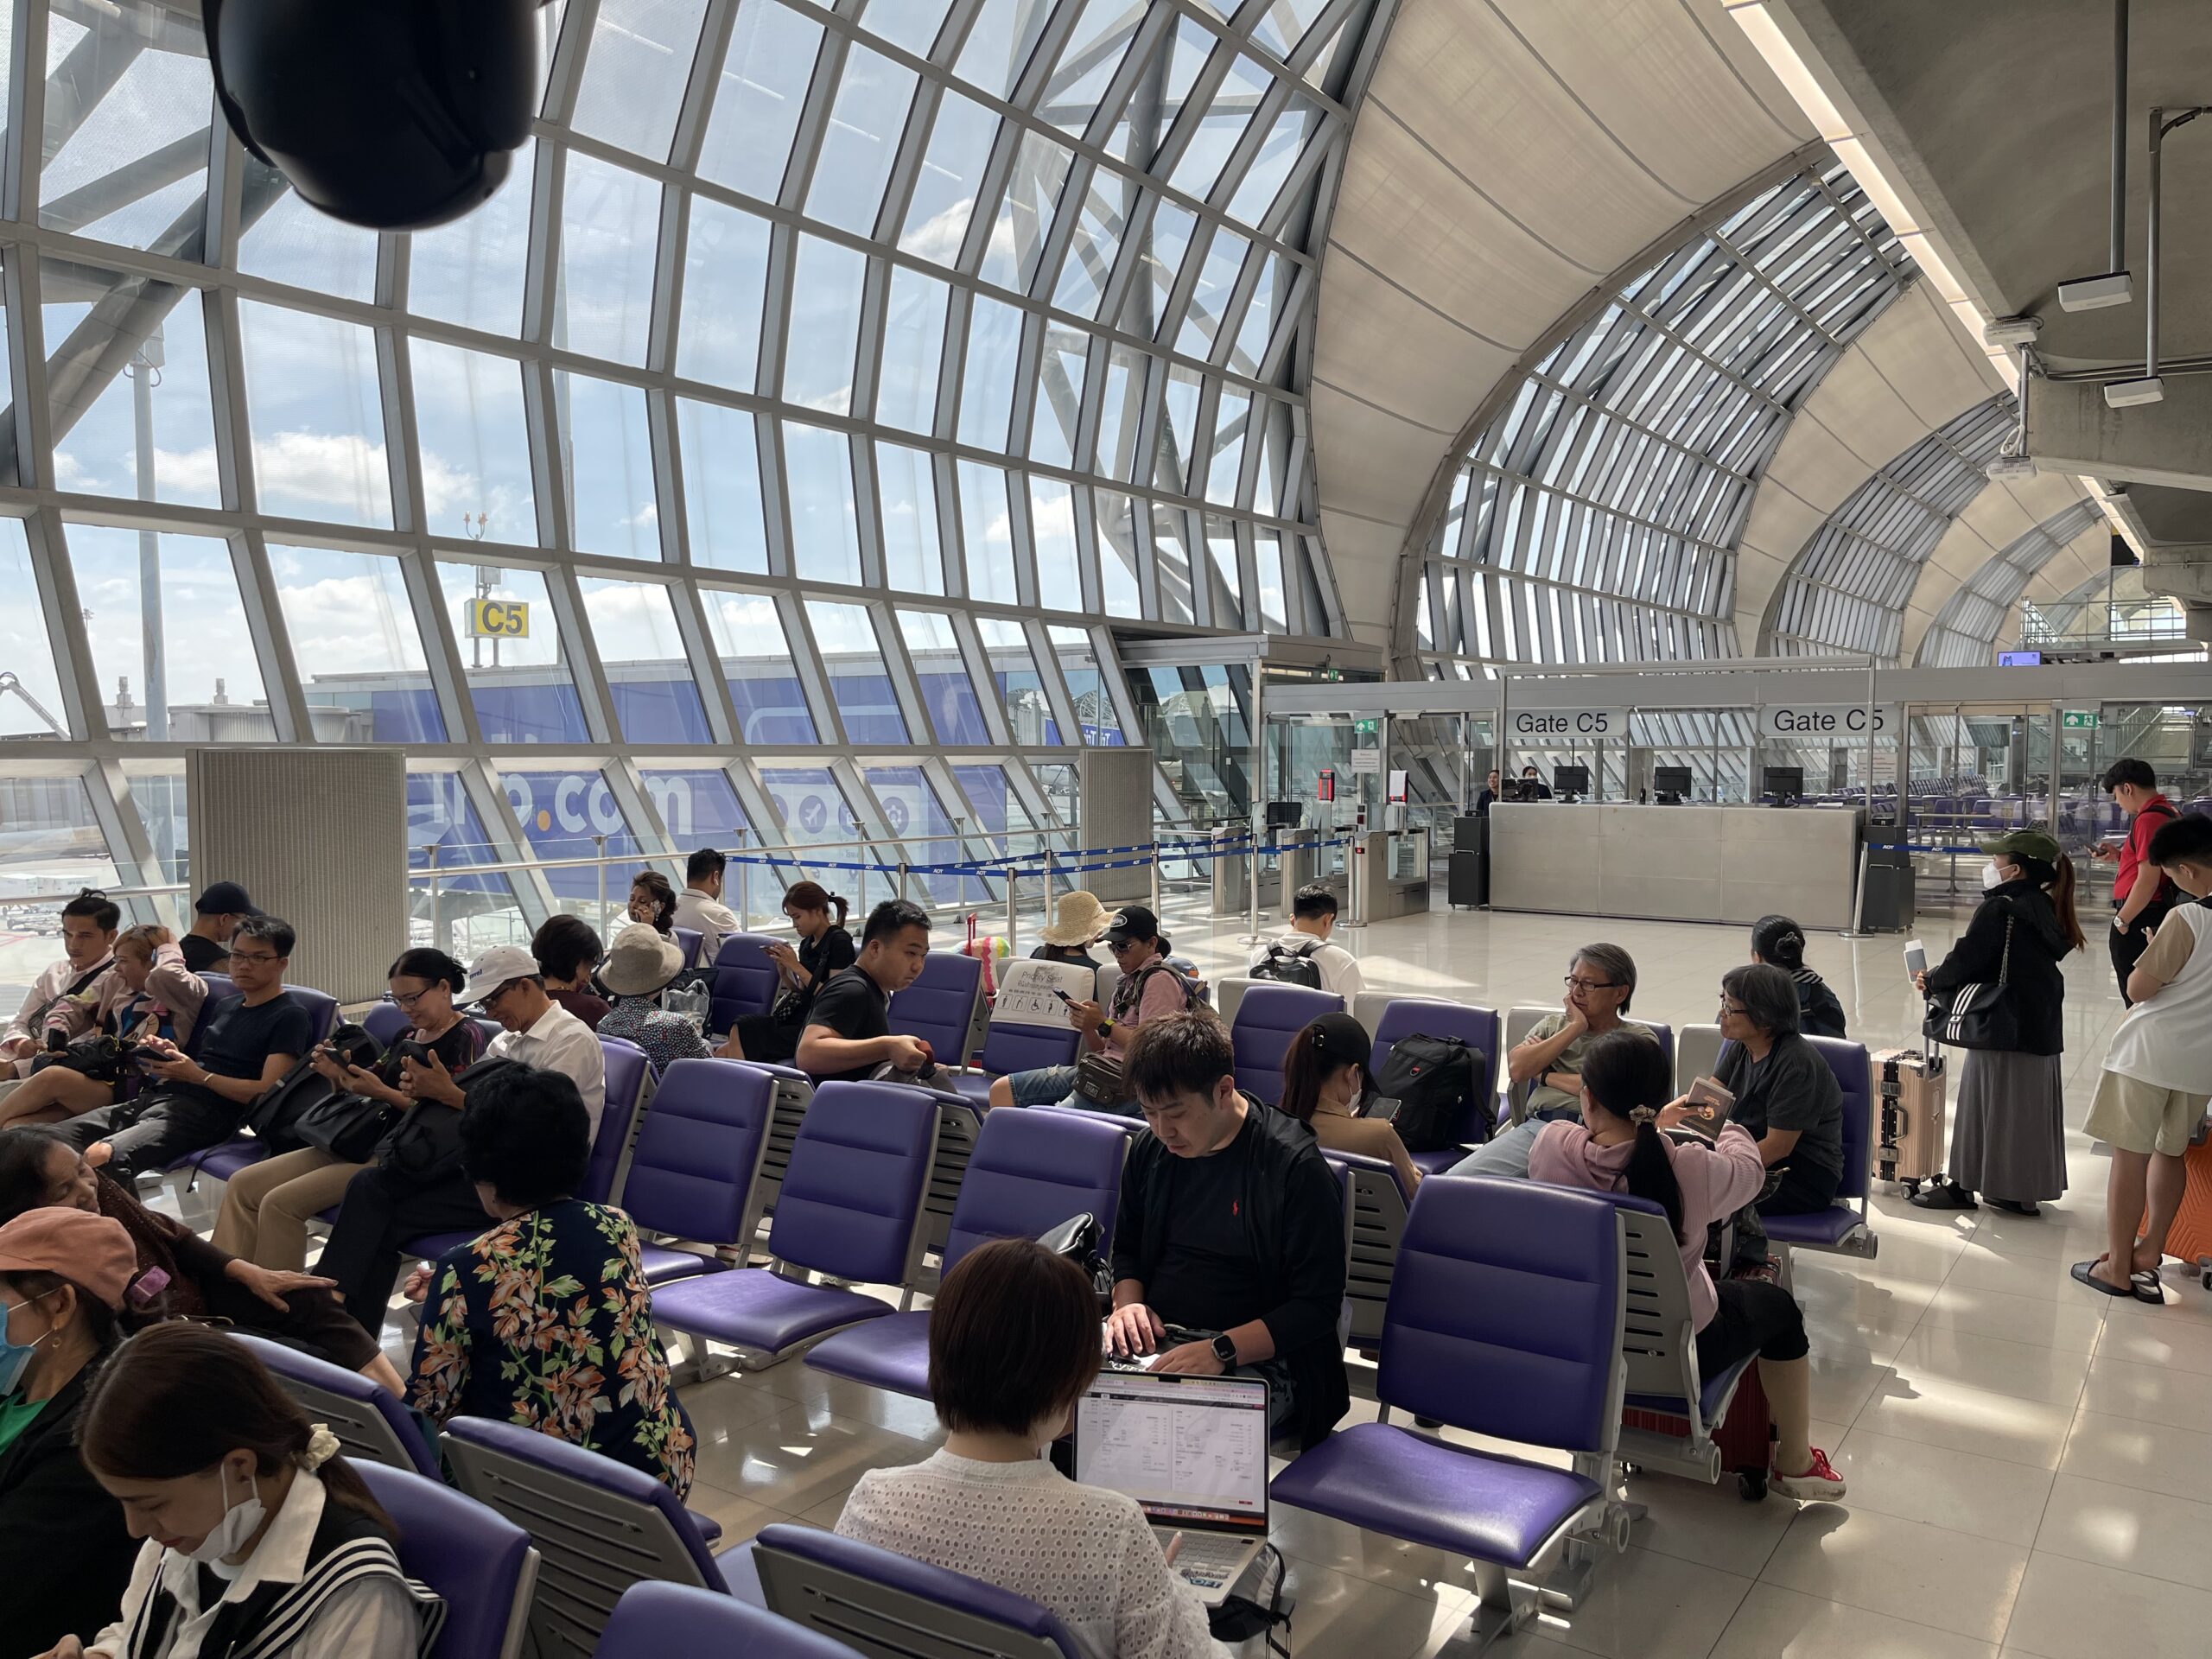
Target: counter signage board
{"type": "Point", "coordinates": [1820, 719]}
{"type": "Point", "coordinates": [1367, 759]}
{"type": "Point", "coordinates": [1567, 724]}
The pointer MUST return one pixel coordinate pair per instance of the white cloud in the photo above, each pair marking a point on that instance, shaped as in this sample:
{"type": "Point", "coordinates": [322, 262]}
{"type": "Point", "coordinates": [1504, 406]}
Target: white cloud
{"type": "Point", "coordinates": [341, 470]}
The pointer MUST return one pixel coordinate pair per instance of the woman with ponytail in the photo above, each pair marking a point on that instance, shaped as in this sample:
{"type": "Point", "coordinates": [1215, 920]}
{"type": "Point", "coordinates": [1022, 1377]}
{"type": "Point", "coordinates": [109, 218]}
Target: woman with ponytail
{"type": "Point", "coordinates": [2008, 1142]}
{"type": "Point", "coordinates": [260, 1537]}
{"type": "Point", "coordinates": [824, 947]}
{"type": "Point", "coordinates": [1622, 1145]}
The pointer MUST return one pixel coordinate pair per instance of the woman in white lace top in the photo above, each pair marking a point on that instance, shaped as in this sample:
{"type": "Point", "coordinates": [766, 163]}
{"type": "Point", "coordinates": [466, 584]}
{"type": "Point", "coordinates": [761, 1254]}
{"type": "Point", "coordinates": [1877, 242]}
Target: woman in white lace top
{"type": "Point", "coordinates": [1013, 1343]}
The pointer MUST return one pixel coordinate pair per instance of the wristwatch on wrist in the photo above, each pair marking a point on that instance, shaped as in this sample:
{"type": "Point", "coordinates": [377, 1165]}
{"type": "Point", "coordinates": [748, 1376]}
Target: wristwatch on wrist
{"type": "Point", "coordinates": [1105, 1028]}
{"type": "Point", "coordinates": [1225, 1351]}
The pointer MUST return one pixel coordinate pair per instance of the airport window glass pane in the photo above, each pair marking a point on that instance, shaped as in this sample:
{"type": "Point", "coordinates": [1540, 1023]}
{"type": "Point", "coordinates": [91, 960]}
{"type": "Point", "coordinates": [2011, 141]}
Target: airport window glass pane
{"type": "Point", "coordinates": [913, 346]}
{"type": "Point", "coordinates": [1119, 556]}
{"type": "Point", "coordinates": [459, 913]}
{"type": "Point", "coordinates": [518, 674]}
{"type": "Point", "coordinates": [317, 416]}
{"type": "Point", "coordinates": [756, 659]}
{"type": "Point", "coordinates": [914, 813]}
{"type": "Point", "coordinates": [561, 815]}
{"type": "Point", "coordinates": [610, 226]}
{"type": "Point", "coordinates": [24, 644]}
{"type": "Point", "coordinates": [698, 807]}
{"type": "Point", "coordinates": [825, 531]}
{"type": "Point", "coordinates": [155, 790]}
{"type": "Point", "coordinates": [468, 423]}
{"type": "Point", "coordinates": [57, 845]}
{"type": "Point", "coordinates": [725, 278]}
{"type": "Point", "coordinates": [1171, 561]}
{"type": "Point", "coordinates": [826, 285]}
{"type": "Point", "coordinates": [722, 503]}
{"type": "Point", "coordinates": [96, 449]}
{"type": "Point", "coordinates": [760, 98]}
{"type": "Point", "coordinates": [948, 693]}
{"type": "Point", "coordinates": [995, 809]}
{"type": "Point", "coordinates": [986, 530]}
{"type": "Point", "coordinates": [944, 200]}
{"type": "Point", "coordinates": [1059, 406]}
{"type": "Point", "coordinates": [1051, 533]}
{"type": "Point", "coordinates": [1077, 652]}
{"type": "Point", "coordinates": [130, 165]}
{"type": "Point", "coordinates": [999, 45]}
{"type": "Point", "coordinates": [648, 671]}
{"type": "Point", "coordinates": [470, 272]}
{"type": "Point", "coordinates": [1228, 588]}
{"type": "Point", "coordinates": [1029, 712]}
{"type": "Point", "coordinates": [294, 243]}
{"type": "Point", "coordinates": [913, 556]}
{"type": "Point", "coordinates": [859, 685]}
{"type": "Point", "coordinates": [912, 25]}
{"type": "Point", "coordinates": [811, 807]}
{"type": "Point", "coordinates": [987, 379]}
{"type": "Point", "coordinates": [168, 603]}
{"type": "Point", "coordinates": [861, 141]}
{"type": "Point", "coordinates": [607, 464]}
{"type": "Point", "coordinates": [633, 79]}
{"type": "Point", "coordinates": [1040, 170]}
{"type": "Point", "coordinates": [355, 642]}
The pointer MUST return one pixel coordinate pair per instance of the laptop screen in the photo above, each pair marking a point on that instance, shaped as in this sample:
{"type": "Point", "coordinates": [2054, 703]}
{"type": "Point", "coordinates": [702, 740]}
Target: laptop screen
{"type": "Point", "coordinates": [1190, 1450]}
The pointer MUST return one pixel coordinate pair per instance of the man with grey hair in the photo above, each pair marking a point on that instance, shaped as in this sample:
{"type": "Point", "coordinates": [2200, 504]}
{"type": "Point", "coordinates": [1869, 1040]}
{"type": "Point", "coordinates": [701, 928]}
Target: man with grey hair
{"type": "Point", "coordinates": [1545, 1066]}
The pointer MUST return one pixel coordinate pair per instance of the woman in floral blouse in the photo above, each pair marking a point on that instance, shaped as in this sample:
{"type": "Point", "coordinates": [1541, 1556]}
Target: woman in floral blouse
{"type": "Point", "coordinates": [545, 1320]}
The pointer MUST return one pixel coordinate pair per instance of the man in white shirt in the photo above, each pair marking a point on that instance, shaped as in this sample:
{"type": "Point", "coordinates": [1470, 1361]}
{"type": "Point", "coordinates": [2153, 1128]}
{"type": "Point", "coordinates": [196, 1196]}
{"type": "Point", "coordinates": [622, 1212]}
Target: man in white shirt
{"type": "Point", "coordinates": [700, 906]}
{"type": "Point", "coordinates": [88, 927]}
{"type": "Point", "coordinates": [386, 1205]}
{"type": "Point", "coordinates": [1313, 919]}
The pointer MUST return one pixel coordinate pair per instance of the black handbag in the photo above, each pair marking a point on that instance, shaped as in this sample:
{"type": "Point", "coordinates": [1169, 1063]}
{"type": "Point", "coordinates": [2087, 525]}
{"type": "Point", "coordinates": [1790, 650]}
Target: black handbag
{"type": "Point", "coordinates": [98, 1055]}
{"type": "Point", "coordinates": [425, 1145]}
{"type": "Point", "coordinates": [275, 1115]}
{"type": "Point", "coordinates": [1977, 1014]}
{"type": "Point", "coordinates": [348, 1127]}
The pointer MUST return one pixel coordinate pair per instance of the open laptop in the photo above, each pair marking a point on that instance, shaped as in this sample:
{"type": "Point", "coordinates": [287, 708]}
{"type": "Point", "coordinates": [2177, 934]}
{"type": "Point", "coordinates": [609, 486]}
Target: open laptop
{"type": "Point", "coordinates": [1192, 1451]}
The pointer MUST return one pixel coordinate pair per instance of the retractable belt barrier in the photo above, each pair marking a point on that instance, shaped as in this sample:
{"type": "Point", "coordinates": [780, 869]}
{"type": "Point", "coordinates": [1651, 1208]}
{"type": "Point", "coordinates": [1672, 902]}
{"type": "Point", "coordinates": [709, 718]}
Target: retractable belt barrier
{"type": "Point", "coordinates": [1080, 858]}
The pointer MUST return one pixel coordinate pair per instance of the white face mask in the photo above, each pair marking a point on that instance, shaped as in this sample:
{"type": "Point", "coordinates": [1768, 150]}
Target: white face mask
{"type": "Point", "coordinates": [1993, 875]}
{"type": "Point", "coordinates": [240, 1522]}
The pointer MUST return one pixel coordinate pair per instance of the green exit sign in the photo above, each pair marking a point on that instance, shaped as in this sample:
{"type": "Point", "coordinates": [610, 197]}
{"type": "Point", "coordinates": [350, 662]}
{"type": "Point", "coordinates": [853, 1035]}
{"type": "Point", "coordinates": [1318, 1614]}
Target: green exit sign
{"type": "Point", "coordinates": [1366, 727]}
{"type": "Point", "coordinates": [2079, 719]}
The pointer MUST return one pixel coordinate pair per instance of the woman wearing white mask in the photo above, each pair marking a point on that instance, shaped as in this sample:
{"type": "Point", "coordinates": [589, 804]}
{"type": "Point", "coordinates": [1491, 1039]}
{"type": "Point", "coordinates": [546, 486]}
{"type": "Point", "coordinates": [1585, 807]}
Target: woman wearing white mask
{"type": "Point", "coordinates": [64, 1554]}
{"type": "Point", "coordinates": [2009, 1143]}
{"type": "Point", "coordinates": [261, 1541]}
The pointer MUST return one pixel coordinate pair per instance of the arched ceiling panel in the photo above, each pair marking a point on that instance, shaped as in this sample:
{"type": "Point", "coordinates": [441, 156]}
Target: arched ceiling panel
{"type": "Point", "coordinates": [1965, 632]}
{"type": "Point", "coordinates": [1510, 157]}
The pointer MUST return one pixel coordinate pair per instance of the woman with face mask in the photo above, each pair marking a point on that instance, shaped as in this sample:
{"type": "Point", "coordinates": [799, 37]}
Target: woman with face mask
{"type": "Point", "coordinates": [65, 1555]}
{"type": "Point", "coordinates": [2009, 1139]}
{"type": "Point", "coordinates": [1013, 1343]}
{"type": "Point", "coordinates": [260, 1538]}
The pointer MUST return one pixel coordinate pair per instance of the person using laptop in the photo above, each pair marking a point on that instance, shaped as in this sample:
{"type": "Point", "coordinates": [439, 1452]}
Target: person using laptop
{"type": "Point", "coordinates": [1229, 1250]}
{"type": "Point", "coordinates": [1013, 1345]}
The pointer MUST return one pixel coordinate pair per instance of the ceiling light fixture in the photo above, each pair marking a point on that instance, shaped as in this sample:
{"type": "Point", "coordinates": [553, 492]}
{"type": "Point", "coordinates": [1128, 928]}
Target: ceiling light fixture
{"type": "Point", "coordinates": [2113, 287]}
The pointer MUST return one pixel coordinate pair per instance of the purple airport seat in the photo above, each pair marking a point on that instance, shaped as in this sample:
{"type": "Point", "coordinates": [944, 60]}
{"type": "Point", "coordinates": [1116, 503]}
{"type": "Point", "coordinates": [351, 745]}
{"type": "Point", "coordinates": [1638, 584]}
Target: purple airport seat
{"type": "Point", "coordinates": [939, 1007]}
{"type": "Point", "coordinates": [850, 1208]}
{"type": "Point", "coordinates": [1428, 1016]}
{"type": "Point", "coordinates": [687, 940]}
{"type": "Point", "coordinates": [600, 1526]}
{"type": "Point", "coordinates": [1505, 1319]}
{"type": "Point", "coordinates": [372, 1425]}
{"type": "Point", "coordinates": [385, 1023]}
{"type": "Point", "coordinates": [744, 980]}
{"type": "Point", "coordinates": [479, 1561]}
{"type": "Point", "coordinates": [1009, 1048]}
{"type": "Point", "coordinates": [695, 1169]}
{"type": "Point", "coordinates": [1030, 1172]}
{"type": "Point", "coordinates": [878, 1602]}
{"type": "Point", "coordinates": [1378, 1207]}
{"type": "Point", "coordinates": [1844, 1225]}
{"type": "Point", "coordinates": [653, 1621]}
{"type": "Point", "coordinates": [1267, 1017]}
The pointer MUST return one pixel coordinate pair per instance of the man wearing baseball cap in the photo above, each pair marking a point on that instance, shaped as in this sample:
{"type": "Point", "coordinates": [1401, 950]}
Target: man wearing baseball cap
{"type": "Point", "coordinates": [66, 1553]}
{"type": "Point", "coordinates": [386, 1205]}
{"type": "Point", "coordinates": [216, 914]}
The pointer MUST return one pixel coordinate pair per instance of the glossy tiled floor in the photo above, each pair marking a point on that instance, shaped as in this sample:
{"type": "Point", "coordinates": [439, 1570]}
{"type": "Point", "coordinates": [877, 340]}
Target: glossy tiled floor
{"type": "Point", "coordinates": [2031, 1464]}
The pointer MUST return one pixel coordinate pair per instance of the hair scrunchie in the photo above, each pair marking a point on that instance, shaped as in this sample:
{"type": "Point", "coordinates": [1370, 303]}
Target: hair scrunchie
{"type": "Point", "coordinates": [323, 1447]}
{"type": "Point", "coordinates": [1643, 1114]}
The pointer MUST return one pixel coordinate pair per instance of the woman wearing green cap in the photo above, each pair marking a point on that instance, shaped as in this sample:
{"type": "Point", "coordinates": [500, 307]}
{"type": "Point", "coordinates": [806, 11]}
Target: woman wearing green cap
{"type": "Point", "coordinates": [2009, 1140]}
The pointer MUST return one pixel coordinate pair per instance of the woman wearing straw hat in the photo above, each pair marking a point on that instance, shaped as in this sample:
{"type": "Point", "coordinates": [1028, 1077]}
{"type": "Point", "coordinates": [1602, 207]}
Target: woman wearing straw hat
{"type": "Point", "coordinates": [1078, 922]}
{"type": "Point", "coordinates": [638, 969]}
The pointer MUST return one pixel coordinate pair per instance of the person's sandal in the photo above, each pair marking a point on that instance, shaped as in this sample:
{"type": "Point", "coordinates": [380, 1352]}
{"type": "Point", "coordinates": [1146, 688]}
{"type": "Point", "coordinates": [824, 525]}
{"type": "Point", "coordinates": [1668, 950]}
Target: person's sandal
{"type": "Point", "coordinates": [2085, 1272]}
{"type": "Point", "coordinates": [1818, 1485]}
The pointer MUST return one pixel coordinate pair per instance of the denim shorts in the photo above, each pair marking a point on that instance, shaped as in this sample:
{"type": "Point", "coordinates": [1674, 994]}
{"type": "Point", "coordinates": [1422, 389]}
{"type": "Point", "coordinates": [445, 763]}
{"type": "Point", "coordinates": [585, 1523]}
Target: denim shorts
{"type": "Point", "coordinates": [1046, 1085]}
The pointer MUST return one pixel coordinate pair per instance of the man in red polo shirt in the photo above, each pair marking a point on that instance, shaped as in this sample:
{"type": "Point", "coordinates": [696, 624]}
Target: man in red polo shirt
{"type": "Point", "coordinates": [2141, 892]}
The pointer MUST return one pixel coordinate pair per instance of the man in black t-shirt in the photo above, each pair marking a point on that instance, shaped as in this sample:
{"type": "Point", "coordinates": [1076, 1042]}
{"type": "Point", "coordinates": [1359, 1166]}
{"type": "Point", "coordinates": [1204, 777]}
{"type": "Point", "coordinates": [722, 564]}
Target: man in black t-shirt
{"type": "Point", "coordinates": [1229, 1249]}
{"type": "Point", "coordinates": [245, 1044]}
{"type": "Point", "coordinates": [216, 914]}
{"type": "Point", "coordinates": [849, 1030]}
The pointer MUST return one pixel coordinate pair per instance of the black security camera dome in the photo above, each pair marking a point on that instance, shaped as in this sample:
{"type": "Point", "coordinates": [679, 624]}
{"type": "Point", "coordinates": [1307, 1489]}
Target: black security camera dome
{"type": "Point", "coordinates": [395, 114]}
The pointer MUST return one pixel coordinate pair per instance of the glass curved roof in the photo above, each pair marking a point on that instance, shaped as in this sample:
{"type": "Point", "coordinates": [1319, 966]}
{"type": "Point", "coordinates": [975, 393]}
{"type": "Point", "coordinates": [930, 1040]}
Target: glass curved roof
{"type": "Point", "coordinates": [1846, 590]}
{"type": "Point", "coordinates": [1965, 632]}
{"type": "Point", "coordinates": [822, 386]}
{"type": "Point", "coordinates": [1595, 518]}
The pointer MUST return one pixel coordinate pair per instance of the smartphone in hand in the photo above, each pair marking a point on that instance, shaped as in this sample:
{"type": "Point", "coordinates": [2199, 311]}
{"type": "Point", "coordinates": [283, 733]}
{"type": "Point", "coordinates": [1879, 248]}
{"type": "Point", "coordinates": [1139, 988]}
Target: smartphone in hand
{"type": "Point", "coordinates": [1916, 957]}
{"type": "Point", "coordinates": [1382, 1111]}
{"type": "Point", "coordinates": [1064, 996]}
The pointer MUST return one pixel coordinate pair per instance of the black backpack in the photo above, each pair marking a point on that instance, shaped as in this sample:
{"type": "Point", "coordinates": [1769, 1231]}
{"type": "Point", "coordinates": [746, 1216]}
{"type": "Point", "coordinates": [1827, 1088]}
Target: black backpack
{"type": "Point", "coordinates": [1285, 966]}
{"type": "Point", "coordinates": [1429, 1077]}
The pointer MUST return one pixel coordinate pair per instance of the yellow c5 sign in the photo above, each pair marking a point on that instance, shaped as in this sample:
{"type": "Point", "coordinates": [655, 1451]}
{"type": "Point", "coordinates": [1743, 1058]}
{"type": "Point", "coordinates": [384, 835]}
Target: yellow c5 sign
{"type": "Point", "coordinates": [499, 619]}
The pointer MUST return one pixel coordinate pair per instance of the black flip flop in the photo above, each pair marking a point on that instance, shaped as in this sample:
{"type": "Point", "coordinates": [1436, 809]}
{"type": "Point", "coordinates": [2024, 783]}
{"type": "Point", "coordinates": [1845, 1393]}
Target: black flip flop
{"type": "Point", "coordinates": [2082, 1272]}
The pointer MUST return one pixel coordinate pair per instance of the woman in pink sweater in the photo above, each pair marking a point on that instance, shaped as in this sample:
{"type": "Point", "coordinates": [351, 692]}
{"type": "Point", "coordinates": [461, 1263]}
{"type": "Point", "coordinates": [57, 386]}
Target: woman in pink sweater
{"type": "Point", "coordinates": [1620, 1147]}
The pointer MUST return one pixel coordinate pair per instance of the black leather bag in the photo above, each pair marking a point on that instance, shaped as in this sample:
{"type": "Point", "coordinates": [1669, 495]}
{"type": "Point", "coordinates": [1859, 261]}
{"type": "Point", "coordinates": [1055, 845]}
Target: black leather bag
{"type": "Point", "coordinates": [348, 1127]}
{"type": "Point", "coordinates": [275, 1115]}
{"type": "Point", "coordinates": [425, 1145]}
{"type": "Point", "coordinates": [1977, 1014]}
